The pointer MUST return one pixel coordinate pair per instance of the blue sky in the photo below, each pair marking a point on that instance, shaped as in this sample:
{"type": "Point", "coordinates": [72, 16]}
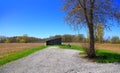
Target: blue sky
{"type": "Point", "coordinates": [38, 18]}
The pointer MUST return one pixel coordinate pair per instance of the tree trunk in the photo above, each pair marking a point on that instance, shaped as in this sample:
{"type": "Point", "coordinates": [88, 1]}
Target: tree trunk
{"type": "Point", "coordinates": [92, 53]}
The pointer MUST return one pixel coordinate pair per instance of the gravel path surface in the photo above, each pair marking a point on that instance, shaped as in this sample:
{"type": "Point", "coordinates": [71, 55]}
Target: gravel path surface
{"type": "Point", "coordinates": [53, 60]}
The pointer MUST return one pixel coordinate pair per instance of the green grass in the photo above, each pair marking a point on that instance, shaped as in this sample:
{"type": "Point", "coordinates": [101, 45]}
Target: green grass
{"type": "Point", "coordinates": [108, 56]}
{"type": "Point", "coordinates": [18, 55]}
{"type": "Point", "coordinates": [71, 47]}
{"type": "Point", "coordinates": [104, 56]}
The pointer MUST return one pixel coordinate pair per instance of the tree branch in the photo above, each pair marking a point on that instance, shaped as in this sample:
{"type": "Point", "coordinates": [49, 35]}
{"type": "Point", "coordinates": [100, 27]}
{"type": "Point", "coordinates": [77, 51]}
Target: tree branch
{"type": "Point", "coordinates": [80, 4]}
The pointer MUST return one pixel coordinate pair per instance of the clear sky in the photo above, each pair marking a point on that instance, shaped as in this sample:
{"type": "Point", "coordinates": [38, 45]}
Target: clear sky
{"type": "Point", "coordinates": [38, 18]}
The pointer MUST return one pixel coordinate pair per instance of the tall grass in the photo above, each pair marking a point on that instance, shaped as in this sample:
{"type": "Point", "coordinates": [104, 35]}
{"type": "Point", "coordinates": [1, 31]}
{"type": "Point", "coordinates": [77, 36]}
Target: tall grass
{"type": "Point", "coordinates": [17, 55]}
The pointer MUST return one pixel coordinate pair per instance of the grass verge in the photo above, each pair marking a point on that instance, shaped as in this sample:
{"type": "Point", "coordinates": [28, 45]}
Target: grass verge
{"type": "Point", "coordinates": [71, 47]}
{"type": "Point", "coordinates": [79, 48]}
{"type": "Point", "coordinates": [103, 56]}
{"type": "Point", "coordinates": [17, 55]}
{"type": "Point", "coordinates": [107, 56]}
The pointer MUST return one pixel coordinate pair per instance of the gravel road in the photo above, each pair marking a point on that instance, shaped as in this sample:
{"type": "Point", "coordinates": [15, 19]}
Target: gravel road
{"type": "Point", "coordinates": [54, 60]}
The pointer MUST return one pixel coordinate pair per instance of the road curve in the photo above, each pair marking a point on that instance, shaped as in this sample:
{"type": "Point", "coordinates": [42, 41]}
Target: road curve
{"type": "Point", "coordinates": [54, 60]}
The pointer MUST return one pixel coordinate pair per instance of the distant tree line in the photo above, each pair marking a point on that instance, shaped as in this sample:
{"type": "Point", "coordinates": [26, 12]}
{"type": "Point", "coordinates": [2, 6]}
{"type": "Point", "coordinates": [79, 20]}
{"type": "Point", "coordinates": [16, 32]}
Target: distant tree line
{"type": "Point", "coordinates": [67, 38]}
{"type": "Point", "coordinates": [21, 39]}
{"type": "Point", "coordinates": [80, 38]}
{"type": "Point", "coordinates": [70, 38]}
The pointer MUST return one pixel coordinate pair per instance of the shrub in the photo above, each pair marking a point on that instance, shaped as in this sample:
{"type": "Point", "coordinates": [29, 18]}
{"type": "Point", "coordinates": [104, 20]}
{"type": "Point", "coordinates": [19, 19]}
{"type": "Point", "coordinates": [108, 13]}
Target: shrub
{"type": "Point", "coordinates": [86, 48]}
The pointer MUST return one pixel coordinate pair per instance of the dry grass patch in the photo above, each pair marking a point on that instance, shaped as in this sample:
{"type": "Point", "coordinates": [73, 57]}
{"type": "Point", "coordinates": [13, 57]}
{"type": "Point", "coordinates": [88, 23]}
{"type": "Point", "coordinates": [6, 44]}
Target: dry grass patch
{"type": "Point", "coordinates": [9, 48]}
{"type": "Point", "coordinates": [111, 47]}
{"type": "Point", "coordinates": [105, 46]}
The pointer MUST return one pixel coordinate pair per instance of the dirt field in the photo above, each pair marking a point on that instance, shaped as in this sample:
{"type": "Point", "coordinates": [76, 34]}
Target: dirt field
{"type": "Point", "coordinates": [105, 46]}
{"type": "Point", "coordinates": [7, 48]}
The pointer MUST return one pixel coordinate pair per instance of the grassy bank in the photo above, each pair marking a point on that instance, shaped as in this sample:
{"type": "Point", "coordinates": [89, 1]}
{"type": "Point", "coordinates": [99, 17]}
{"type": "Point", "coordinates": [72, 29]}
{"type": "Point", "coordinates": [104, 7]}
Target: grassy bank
{"type": "Point", "coordinates": [103, 56]}
{"type": "Point", "coordinates": [16, 55]}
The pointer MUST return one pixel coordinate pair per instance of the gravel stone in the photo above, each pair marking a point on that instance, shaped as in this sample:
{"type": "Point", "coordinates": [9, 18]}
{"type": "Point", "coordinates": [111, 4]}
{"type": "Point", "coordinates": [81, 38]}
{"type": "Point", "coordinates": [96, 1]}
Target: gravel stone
{"type": "Point", "coordinates": [54, 60]}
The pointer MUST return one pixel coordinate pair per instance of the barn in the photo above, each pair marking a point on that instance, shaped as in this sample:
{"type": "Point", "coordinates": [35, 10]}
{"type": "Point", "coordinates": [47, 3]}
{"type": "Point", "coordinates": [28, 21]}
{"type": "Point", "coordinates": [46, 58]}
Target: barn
{"type": "Point", "coordinates": [57, 41]}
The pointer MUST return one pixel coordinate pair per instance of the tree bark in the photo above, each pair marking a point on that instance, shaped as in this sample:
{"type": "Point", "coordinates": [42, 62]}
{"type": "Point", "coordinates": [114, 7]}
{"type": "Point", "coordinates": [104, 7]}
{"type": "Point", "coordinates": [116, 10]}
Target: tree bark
{"type": "Point", "coordinates": [92, 53]}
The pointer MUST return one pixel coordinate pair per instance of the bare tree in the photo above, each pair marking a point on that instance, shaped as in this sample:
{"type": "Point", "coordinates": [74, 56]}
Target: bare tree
{"type": "Point", "coordinates": [88, 13]}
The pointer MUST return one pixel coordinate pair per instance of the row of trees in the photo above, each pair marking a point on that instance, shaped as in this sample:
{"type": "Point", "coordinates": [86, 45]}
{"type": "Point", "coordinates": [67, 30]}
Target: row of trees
{"type": "Point", "coordinates": [115, 40]}
{"type": "Point", "coordinates": [80, 38]}
{"type": "Point", "coordinates": [20, 39]}
{"type": "Point", "coordinates": [70, 38]}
